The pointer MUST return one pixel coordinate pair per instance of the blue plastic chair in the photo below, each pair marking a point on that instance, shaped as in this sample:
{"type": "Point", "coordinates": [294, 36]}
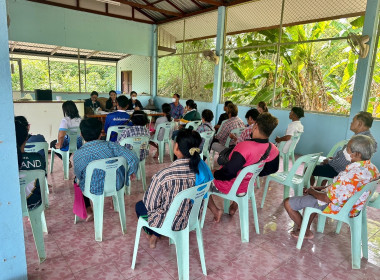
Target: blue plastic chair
{"type": "Point", "coordinates": [193, 124]}
{"type": "Point", "coordinates": [109, 166]}
{"type": "Point", "coordinates": [35, 147]}
{"type": "Point", "coordinates": [358, 224]}
{"type": "Point", "coordinates": [285, 156]}
{"type": "Point", "coordinates": [180, 238]}
{"type": "Point", "coordinates": [292, 180]}
{"type": "Point", "coordinates": [73, 133]}
{"type": "Point", "coordinates": [138, 143]}
{"type": "Point", "coordinates": [242, 201]}
{"type": "Point", "coordinates": [168, 127]}
{"type": "Point", "coordinates": [118, 129]}
{"type": "Point", "coordinates": [207, 136]}
{"type": "Point", "coordinates": [37, 215]}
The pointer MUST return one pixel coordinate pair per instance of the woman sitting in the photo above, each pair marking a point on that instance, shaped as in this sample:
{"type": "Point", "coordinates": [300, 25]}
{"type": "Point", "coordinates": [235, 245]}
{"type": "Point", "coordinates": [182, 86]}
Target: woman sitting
{"type": "Point", "coordinates": [185, 172]}
{"type": "Point", "coordinates": [111, 104]}
{"type": "Point", "coordinates": [191, 114]}
{"type": "Point", "coordinates": [166, 109]}
{"type": "Point", "coordinates": [262, 107]}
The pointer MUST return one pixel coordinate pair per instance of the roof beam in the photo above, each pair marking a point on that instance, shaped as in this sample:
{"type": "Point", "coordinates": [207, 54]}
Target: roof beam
{"type": "Point", "coordinates": [175, 6]}
{"type": "Point", "coordinates": [13, 46]}
{"type": "Point", "coordinates": [212, 2]}
{"type": "Point", "coordinates": [196, 3]}
{"type": "Point", "coordinates": [54, 50]}
{"type": "Point", "coordinates": [92, 54]}
{"type": "Point", "coordinates": [142, 6]}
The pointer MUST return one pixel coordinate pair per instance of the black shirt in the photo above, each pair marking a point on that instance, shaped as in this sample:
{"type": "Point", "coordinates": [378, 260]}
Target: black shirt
{"type": "Point", "coordinates": [132, 105]}
{"type": "Point", "coordinates": [93, 106]}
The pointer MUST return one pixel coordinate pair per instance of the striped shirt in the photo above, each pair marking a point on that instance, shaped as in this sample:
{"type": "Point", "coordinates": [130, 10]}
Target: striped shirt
{"type": "Point", "coordinates": [204, 127]}
{"type": "Point", "coordinates": [246, 134]}
{"type": "Point", "coordinates": [225, 129]}
{"type": "Point", "coordinates": [165, 185]}
{"type": "Point", "coordinates": [133, 131]}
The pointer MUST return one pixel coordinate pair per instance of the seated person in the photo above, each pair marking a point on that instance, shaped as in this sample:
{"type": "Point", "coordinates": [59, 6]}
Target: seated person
{"type": "Point", "coordinates": [257, 149]}
{"type": "Point", "coordinates": [176, 108]}
{"type": "Point", "coordinates": [262, 107]}
{"type": "Point", "coordinates": [223, 116]}
{"type": "Point", "coordinates": [166, 109]}
{"type": "Point", "coordinates": [191, 114]}
{"type": "Point", "coordinates": [111, 104]}
{"type": "Point", "coordinates": [151, 105]}
{"type": "Point", "coordinates": [31, 138]}
{"type": "Point", "coordinates": [233, 122]}
{"type": "Point", "coordinates": [207, 117]}
{"type": "Point", "coordinates": [294, 127]}
{"type": "Point", "coordinates": [29, 161]}
{"type": "Point", "coordinates": [133, 102]}
{"type": "Point", "coordinates": [185, 172]}
{"type": "Point", "coordinates": [251, 117]}
{"type": "Point", "coordinates": [120, 117]}
{"type": "Point", "coordinates": [92, 104]}
{"type": "Point", "coordinates": [139, 120]}
{"type": "Point", "coordinates": [95, 149]}
{"type": "Point", "coordinates": [359, 172]}
{"type": "Point", "coordinates": [331, 167]}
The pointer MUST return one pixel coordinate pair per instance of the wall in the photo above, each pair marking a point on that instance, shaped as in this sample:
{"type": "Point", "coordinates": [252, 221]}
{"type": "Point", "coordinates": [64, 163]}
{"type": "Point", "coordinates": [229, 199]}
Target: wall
{"type": "Point", "coordinates": [44, 24]}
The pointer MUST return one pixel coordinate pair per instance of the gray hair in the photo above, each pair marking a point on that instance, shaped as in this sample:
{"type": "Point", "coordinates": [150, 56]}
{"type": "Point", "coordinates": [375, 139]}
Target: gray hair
{"type": "Point", "coordinates": [364, 145]}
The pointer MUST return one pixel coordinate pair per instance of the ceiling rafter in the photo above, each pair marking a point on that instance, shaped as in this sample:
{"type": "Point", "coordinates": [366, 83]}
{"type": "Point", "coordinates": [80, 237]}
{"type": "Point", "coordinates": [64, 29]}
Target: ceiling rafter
{"type": "Point", "coordinates": [212, 2]}
{"type": "Point", "coordinates": [146, 7]}
{"type": "Point", "coordinates": [54, 50]}
{"type": "Point", "coordinates": [175, 6]}
{"type": "Point", "coordinates": [196, 3]}
{"type": "Point", "coordinates": [92, 54]}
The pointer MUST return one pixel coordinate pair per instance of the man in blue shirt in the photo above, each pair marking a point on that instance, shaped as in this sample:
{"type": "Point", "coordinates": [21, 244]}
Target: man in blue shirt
{"type": "Point", "coordinates": [120, 117]}
{"type": "Point", "coordinates": [177, 109]}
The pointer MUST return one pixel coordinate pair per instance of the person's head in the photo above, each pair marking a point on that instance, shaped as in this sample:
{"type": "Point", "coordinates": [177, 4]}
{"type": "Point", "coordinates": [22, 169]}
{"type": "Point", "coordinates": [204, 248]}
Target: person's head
{"type": "Point", "coordinates": [360, 147]}
{"type": "Point", "coordinates": [190, 105]}
{"type": "Point", "coordinates": [361, 122]}
{"type": "Point", "coordinates": [296, 113]}
{"type": "Point", "coordinates": [232, 110]}
{"type": "Point", "coordinates": [70, 109]}
{"type": "Point", "coordinates": [21, 138]}
{"type": "Point", "coordinates": [112, 95]}
{"type": "Point", "coordinates": [90, 129]}
{"type": "Point", "coordinates": [176, 97]}
{"type": "Point", "coordinates": [207, 115]}
{"type": "Point", "coordinates": [187, 146]}
{"type": "Point", "coordinates": [140, 118]}
{"type": "Point", "coordinates": [94, 96]}
{"type": "Point", "coordinates": [166, 109]}
{"type": "Point", "coordinates": [262, 107]}
{"type": "Point", "coordinates": [226, 105]}
{"type": "Point", "coordinates": [122, 102]}
{"type": "Point", "coordinates": [23, 121]}
{"type": "Point", "coordinates": [264, 126]}
{"type": "Point", "coordinates": [133, 95]}
{"type": "Point", "coordinates": [251, 116]}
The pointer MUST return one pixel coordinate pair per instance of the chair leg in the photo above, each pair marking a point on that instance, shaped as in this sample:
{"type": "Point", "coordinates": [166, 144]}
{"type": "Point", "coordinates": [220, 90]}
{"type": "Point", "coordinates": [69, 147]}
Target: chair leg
{"type": "Point", "coordinates": [43, 222]}
{"type": "Point", "coordinates": [76, 219]}
{"type": "Point", "coordinates": [137, 240]}
{"type": "Point", "coordinates": [204, 211]}
{"type": "Point", "coordinates": [265, 192]}
{"type": "Point", "coordinates": [201, 249]}
{"type": "Point", "coordinates": [258, 182]}
{"type": "Point", "coordinates": [244, 219]}
{"type": "Point", "coordinates": [171, 151]}
{"type": "Point", "coordinates": [226, 206]}
{"type": "Point", "coordinates": [52, 153]}
{"type": "Point", "coordinates": [143, 174]}
{"type": "Point", "coordinates": [321, 223]}
{"type": "Point", "coordinates": [98, 207]}
{"type": "Point", "coordinates": [305, 221]}
{"type": "Point", "coordinates": [338, 227]}
{"type": "Point", "coordinates": [66, 163]}
{"type": "Point", "coordinates": [121, 205]}
{"type": "Point", "coordinates": [46, 193]}
{"type": "Point", "coordinates": [183, 259]}
{"type": "Point", "coordinates": [255, 216]}
{"type": "Point", "coordinates": [161, 151]}
{"type": "Point", "coordinates": [356, 236]}
{"type": "Point", "coordinates": [364, 233]}
{"type": "Point", "coordinates": [286, 162]}
{"type": "Point", "coordinates": [286, 191]}
{"type": "Point", "coordinates": [35, 221]}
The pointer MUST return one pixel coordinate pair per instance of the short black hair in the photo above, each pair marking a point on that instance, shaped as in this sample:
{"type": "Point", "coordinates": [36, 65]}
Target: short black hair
{"type": "Point", "coordinates": [227, 102]}
{"type": "Point", "coordinates": [122, 101]}
{"type": "Point", "coordinates": [207, 115]}
{"type": "Point", "coordinates": [253, 113]}
{"type": "Point", "coordinates": [70, 109]}
{"type": "Point", "coordinates": [22, 120]}
{"type": "Point", "coordinates": [140, 118]}
{"type": "Point", "coordinates": [132, 92]}
{"type": "Point", "coordinates": [90, 129]}
{"type": "Point", "coordinates": [365, 117]}
{"type": "Point", "coordinates": [94, 93]}
{"type": "Point", "coordinates": [298, 111]}
{"type": "Point", "coordinates": [266, 123]}
{"type": "Point", "coordinates": [21, 133]}
{"type": "Point", "coordinates": [111, 91]}
{"type": "Point", "coordinates": [232, 109]}
{"type": "Point", "coordinates": [178, 96]}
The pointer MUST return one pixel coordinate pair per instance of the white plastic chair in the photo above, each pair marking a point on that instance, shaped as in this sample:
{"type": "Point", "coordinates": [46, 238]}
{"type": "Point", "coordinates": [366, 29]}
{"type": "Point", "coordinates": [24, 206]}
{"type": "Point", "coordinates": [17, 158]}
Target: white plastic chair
{"type": "Point", "coordinates": [118, 129]}
{"type": "Point", "coordinates": [285, 156]}
{"type": "Point", "coordinates": [207, 136]}
{"type": "Point", "coordinates": [193, 124]}
{"type": "Point", "coordinates": [167, 127]}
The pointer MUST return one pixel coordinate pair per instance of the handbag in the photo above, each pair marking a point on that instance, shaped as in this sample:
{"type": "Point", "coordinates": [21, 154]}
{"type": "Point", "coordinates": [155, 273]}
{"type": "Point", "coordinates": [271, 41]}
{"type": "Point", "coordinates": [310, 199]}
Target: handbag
{"type": "Point", "coordinates": [225, 154]}
{"type": "Point", "coordinates": [79, 207]}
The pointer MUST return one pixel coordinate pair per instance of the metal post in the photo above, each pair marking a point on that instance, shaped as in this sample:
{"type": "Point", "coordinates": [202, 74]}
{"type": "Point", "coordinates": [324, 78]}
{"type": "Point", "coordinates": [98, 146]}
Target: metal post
{"type": "Point", "coordinates": [154, 62]}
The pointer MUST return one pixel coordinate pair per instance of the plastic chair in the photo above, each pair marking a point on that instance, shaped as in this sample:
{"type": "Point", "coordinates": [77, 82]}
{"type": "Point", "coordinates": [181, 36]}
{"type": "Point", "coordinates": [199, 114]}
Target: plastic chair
{"type": "Point", "coordinates": [242, 201]}
{"type": "Point", "coordinates": [237, 131]}
{"type": "Point", "coordinates": [292, 180]}
{"type": "Point", "coordinates": [180, 238]}
{"type": "Point", "coordinates": [37, 215]}
{"type": "Point", "coordinates": [193, 124]}
{"type": "Point", "coordinates": [118, 129]}
{"type": "Point", "coordinates": [109, 166]}
{"type": "Point", "coordinates": [207, 136]}
{"type": "Point", "coordinates": [73, 134]}
{"type": "Point", "coordinates": [285, 156]}
{"type": "Point", "coordinates": [35, 147]}
{"type": "Point", "coordinates": [138, 143]}
{"type": "Point", "coordinates": [358, 224]}
{"type": "Point", "coordinates": [168, 127]}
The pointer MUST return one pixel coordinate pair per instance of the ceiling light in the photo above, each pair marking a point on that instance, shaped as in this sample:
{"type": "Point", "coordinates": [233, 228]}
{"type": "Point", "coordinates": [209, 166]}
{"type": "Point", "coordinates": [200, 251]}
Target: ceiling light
{"type": "Point", "coordinates": [110, 2]}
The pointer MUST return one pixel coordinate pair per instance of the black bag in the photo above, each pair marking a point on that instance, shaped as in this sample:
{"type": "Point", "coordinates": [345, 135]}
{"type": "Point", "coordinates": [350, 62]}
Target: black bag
{"type": "Point", "coordinates": [225, 154]}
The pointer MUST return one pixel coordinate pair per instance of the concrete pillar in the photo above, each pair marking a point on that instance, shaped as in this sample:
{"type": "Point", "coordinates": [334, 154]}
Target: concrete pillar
{"type": "Point", "coordinates": [154, 60]}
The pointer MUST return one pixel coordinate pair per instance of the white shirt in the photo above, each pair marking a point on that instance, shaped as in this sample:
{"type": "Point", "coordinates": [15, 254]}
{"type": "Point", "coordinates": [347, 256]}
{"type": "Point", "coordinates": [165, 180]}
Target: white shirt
{"type": "Point", "coordinates": [293, 128]}
{"type": "Point", "coordinates": [67, 123]}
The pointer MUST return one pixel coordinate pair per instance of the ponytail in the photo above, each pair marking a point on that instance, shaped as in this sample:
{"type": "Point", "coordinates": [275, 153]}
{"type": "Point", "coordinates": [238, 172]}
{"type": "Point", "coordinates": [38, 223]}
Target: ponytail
{"type": "Point", "coordinates": [191, 104]}
{"type": "Point", "coordinates": [166, 109]}
{"type": "Point", "coordinates": [188, 143]}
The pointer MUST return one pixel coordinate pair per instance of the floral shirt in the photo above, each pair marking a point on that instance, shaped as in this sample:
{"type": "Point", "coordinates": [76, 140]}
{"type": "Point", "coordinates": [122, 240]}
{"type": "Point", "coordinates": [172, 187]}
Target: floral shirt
{"type": "Point", "coordinates": [347, 183]}
{"type": "Point", "coordinates": [246, 134]}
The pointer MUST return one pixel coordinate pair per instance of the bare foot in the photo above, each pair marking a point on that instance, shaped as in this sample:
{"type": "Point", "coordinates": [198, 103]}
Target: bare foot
{"type": "Point", "coordinates": [308, 235]}
{"type": "Point", "coordinates": [153, 241]}
{"type": "Point", "coordinates": [70, 164]}
{"type": "Point", "coordinates": [218, 216]}
{"type": "Point", "coordinates": [90, 217]}
{"type": "Point", "coordinates": [155, 155]}
{"type": "Point", "coordinates": [233, 208]}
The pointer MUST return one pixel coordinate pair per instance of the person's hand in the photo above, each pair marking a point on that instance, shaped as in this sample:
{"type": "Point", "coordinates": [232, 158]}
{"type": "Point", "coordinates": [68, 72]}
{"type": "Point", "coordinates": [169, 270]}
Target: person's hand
{"type": "Point", "coordinates": [133, 176]}
{"type": "Point", "coordinates": [233, 136]}
{"type": "Point", "coordinates": [58, 145]}
{"type": "Point", "coordinates": [278, 140]}
{"type": "Point", "coordinates": [137, 108]}
{"type": "Point", "coordinates": [325, 161]}
{"type": "Point", "coordinates": [212, 171]}
{"type": "Point", "coordinates": [176, 120]}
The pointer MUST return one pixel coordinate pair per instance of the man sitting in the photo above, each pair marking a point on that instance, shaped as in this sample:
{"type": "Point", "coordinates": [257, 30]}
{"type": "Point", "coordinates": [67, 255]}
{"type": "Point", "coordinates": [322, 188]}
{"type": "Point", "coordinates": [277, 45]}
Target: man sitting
{"type": "Point", "coordinates": [330, 167]}
{"type": "Point", "coordinates": [223, 116]}
{"type": "Point", "coordinates": [359, 172]}
{"type": "Point", "coordinates": [177, 109]}
{"type": "Point", "coordinates": [95, 149]}
{"type": "Point", "coordinates": [251, 117]}
{"type": "Point", "coordinates": [120, 117]}
{"type": "Point", "coordinates": [31, 138]}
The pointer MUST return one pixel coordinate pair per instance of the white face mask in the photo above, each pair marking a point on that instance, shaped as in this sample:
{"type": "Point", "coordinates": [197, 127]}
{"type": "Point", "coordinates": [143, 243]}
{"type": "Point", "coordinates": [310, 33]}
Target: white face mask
{"type": "Point", "coordinates": [134, 98]}
{"type": "Point", "coordinates": [347, 155]}
{"type": "Point", "coordinates": [174, 100]}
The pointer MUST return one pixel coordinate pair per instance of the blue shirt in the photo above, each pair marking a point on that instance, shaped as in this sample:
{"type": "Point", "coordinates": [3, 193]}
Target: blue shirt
{"type": "Point", "coordinates": [176, 111]}
{"type": "Point", "coordinates": [116, 118]}
{"type": "Point", "coordinates": [100, 149]}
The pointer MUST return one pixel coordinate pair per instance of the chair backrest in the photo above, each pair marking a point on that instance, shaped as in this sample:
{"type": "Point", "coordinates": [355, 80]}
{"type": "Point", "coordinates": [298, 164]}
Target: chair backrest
{"type": "Point", "coordinates": [193, 124]}
{"type": "Point", "coordinates": [167, 126]}
{"type": "Point", "coordinates": [26, 177]}
{"type": "Point", "coordinates": [220, 127]}
{"type": "Point", "coordinates": [118, 129]}
{"type": "Point", "coordinates": [109, 166]}
{"type": "Point", "coordinates": [337, 146]}
{"type": "Point", "coordinates": [255, 169]}
{"type": "Point", "coordinates": [137, 143]}
{"type": "Point", "coordinates": [309, 162]}
{"type": "Point", "coordinates": [237, 131]}
{"type": "Point", "coordinates": [294, 140]}
{"type": "Point", "coordinates": [35, 147]}
{"type": "Point", "coordinates": [196, 195]}
{"type": "Point", "coordinates": [73, 134]}
{"type": "Point", "coordinates": [207, 136]}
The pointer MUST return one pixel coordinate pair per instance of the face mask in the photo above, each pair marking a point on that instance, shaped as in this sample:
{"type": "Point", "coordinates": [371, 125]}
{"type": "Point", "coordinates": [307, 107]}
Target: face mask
{"type": "Point", "coordinates": [347, 155]}
{"type": "Point", "coordinates": [173, 100]}
{"type": "Point", "coordinates": [134, 98]}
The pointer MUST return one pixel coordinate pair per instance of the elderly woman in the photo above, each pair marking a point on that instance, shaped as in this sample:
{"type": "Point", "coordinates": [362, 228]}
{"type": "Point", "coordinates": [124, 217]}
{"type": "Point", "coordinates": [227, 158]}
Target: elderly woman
{"type": "Point", "coordinates": [359, 172]}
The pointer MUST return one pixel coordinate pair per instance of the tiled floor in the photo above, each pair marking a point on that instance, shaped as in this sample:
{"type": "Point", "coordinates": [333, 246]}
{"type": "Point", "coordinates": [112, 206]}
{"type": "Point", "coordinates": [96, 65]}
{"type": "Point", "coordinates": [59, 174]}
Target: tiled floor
{"type": "Point", "coordinates": [73, 253]}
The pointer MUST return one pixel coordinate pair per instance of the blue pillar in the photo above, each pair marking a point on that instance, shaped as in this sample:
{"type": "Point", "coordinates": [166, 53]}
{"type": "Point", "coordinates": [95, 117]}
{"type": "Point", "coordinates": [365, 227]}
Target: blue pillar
{"type": "Point", "coordinates": [12, 246]}
{"type": "Point", "coordinates": [362, 79]}
{"type": "Point", "coordinates": [154, 60]}
{"type": "Point", "coordinates": [218, 72]}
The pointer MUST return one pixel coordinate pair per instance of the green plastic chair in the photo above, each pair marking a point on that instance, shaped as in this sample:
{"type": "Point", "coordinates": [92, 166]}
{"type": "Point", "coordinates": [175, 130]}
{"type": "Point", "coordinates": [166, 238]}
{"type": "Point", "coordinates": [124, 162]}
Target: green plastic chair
{"type": "Point", "coordinates": [358, 224]}
{"type": "Point", "coordinates": [73, 133]}
{"type": "Point", "coordinates": [37, 215]}
{"type": "Point", "coordinates": [292, 180]}
{"type": "Point", "coordinates": [242, 201]}
{"type": "Point", "coordinates": [193, 124]}
{"type": "Point", "coordinates": [180, 238]}
{"type": "Point", "coordinates": [109, 166]}
{"type": "Point", "coordinates": [168, 127]}
{"type": "Point", "coordinates": [118, 129]}
{"type": "Point", "coordinates": [207, 136]}
{"type": "Point", "coordinates": [285, 156]}
{"type": "Point", "coordinates": [138, 143]}
{"type": "Point", "coordinates": [35, 147]}
{"type": "Point", "coordinates": [337, 146]}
